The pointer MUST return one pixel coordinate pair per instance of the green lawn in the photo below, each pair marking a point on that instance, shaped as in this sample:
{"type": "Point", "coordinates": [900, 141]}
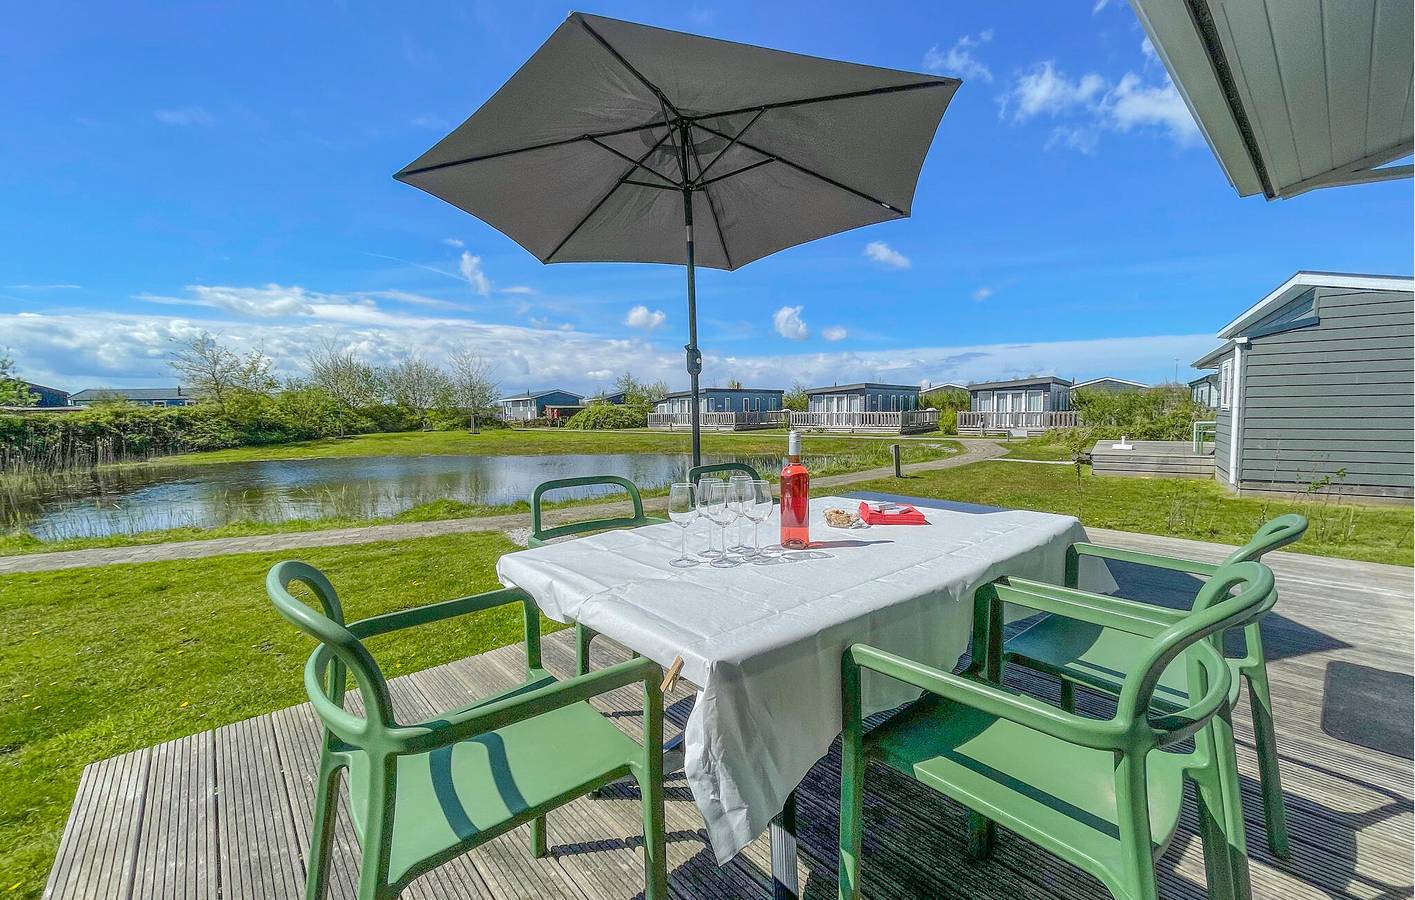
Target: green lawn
{"type": "Point", "coordinates": [1037, 448]}
{"type": "Point", "coordinates": [556, 440]}
{"type": "Point", "coordinates": [1197, 509]}
{"type": "Point", "coordinates": [97, 662]}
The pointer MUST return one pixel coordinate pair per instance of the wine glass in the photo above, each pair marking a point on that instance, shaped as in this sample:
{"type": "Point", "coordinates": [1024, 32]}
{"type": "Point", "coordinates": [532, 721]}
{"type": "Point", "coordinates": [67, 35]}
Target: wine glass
{"type": "Point", "coordinates": [682, 510]}
{"type": "Point", "coordinates": [757, 509]}
{"type": "Point", "coordinates": [706, 487]}
{"type": "Point", "coordinates": [739, 496]}
{"type": "Point", "coordinates": [720, 512]}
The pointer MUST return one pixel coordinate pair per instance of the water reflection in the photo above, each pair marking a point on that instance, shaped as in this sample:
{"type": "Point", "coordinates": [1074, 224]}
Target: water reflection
{"type": "Point", "coordinates": [145, 498]}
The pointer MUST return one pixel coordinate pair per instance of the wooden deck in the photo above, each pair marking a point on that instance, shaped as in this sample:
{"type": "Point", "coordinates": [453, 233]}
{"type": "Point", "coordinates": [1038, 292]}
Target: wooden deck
{"type": "Point", "coordinates": [1166, 459]}
{"type": "Point", "coordinates": [225, 814]}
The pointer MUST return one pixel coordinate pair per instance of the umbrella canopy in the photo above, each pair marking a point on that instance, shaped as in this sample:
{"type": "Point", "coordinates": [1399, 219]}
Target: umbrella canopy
{"type": "Point", "coordinates": [614, 135]}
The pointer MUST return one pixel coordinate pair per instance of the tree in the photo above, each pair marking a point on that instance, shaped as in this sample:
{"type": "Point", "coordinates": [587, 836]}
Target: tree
{"type": "Point", "coordinates": [13, 391]}
{"type": "Point", "coordinates": [419, 385]}
{"type": "Point", "coordinates": [734, 384]}
{"type": "Point", "coordinates": [215, 371]}
{"type": "Point", "coordinates": [640, 395]}
{"type": "Point", "coordinates": [348, 379]}
{"type": "Point", "coordinates": [474, 386]}
{"type": "Point", "coordinates": [796, 399]}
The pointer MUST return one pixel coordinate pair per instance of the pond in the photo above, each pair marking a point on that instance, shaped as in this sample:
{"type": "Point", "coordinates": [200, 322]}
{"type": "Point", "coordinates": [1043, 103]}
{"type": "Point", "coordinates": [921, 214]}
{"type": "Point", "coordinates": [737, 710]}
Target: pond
{"type": "Point", "coordinates": [146, 498]}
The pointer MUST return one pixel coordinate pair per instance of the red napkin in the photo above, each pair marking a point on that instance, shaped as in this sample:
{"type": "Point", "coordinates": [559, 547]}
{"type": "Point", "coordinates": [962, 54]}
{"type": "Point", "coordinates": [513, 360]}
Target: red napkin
{"type": "Point", "coordinates": [902, 514]}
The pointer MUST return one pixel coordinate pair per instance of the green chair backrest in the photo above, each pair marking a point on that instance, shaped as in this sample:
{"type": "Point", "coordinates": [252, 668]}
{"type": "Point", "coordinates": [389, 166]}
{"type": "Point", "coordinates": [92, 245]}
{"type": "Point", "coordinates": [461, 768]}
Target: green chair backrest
{"type": "Point", "coordinates": [697, 472]}
{"type": "Point", "coordinates": [339, 651]}
{"type": "Point", "coordinates": [1214, 612]}
{"type": "Point", "coordinates": [1274, 534]}
{"type": "Point", "coordinates": [539, 534]}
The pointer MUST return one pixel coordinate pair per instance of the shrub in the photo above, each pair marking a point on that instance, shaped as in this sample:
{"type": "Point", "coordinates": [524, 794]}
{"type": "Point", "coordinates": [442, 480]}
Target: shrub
{"type": "Point", "coordinates": [1164, 413]}
{"type": "Point", "coordinates": [598, 416]}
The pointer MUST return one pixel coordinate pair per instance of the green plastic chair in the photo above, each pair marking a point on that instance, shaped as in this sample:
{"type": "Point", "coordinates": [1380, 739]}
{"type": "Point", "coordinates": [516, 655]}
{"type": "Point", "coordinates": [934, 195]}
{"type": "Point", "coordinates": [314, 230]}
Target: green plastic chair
{"type": "Point", "coordinates": [697, 472]}
{"type": "Point", "coordinates": [423, 793]}
{"type": "Point", "coordinates": [1079, 653]}
{"type": "Point", "coordinates": [540, 535]}
{"type": "Point", "coordinates": [1104, 795]}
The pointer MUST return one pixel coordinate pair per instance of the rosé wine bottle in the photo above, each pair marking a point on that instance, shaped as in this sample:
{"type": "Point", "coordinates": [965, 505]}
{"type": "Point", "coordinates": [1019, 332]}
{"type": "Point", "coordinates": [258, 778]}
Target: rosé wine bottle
{"type": "Point", "coordinates": [795, 498]}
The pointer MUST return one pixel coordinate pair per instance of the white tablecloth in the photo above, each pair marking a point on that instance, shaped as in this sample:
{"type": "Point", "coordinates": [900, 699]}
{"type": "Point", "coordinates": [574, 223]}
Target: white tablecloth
{"type": "Point", "coordinates": [764, 642]}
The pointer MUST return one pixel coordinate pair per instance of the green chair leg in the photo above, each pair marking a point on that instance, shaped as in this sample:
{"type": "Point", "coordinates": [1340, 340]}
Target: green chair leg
{"type": "Point", "coordinates": [1133, 810]}
{"type": "Point", "coordinates": [538, 848]}
{"type": "Point", "coordinates": [650, 781]}
{"type": "Point", "coordinates": [852, 785]}
{"type": "Point", "coordinates": [326, 805]}
{"type": "Point", "coordinates": [1265, 738]}
{"type": "Point", "coordinates": [1232, 800]}
{"type": "Point", "coordinates": [378, 834]}
{"type": "Point", "coordinates": [981, 834]}
{"type": "Point", "coordinates": [1218, 864]}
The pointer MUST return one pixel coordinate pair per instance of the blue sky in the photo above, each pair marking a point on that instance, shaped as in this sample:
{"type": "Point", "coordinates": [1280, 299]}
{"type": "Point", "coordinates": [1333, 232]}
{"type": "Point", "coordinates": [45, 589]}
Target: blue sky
{"type": "Point", "coordinates": [173, 168]}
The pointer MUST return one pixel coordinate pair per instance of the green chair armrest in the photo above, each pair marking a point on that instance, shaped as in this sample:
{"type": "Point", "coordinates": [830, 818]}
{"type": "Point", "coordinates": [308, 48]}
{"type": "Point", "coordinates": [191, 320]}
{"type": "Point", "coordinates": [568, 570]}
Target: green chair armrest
{"type": "Point", "coordinates": [993, 700]}
{"type": "Point", "coordinates": [456, 727]}
{"type": "Point", "coordinates": [436, 612]}
{"type": "Point", "coordinates": [1129, 616]}
{"type": "Point", "coordinates": [1172, 563]}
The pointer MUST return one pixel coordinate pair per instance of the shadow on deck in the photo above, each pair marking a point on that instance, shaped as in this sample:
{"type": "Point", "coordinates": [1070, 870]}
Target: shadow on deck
{"type": "Point", "coordinates": [225, 813]}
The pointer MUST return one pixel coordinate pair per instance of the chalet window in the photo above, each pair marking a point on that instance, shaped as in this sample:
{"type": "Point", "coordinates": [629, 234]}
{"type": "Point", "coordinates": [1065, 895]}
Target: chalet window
{"type": "Point", "coordinates": [1225, 384]}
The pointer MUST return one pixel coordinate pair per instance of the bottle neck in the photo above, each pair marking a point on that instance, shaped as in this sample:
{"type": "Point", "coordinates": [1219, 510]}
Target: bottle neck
{"type": "Point", "coordinates": [793, 459]}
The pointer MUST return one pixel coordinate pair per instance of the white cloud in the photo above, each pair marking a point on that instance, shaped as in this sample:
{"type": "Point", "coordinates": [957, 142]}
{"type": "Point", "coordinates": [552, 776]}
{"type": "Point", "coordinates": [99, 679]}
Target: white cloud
{"type": "Point", "coordinates": [454, 242]}
{"type": "Point", "coordinates": [516, 289]}
{"type": "Point", "coordinates": [642, 317]}
{"type": "Point", "coordinates": [42, 287]}
{"type": "Point", "coordinates": [1045, 90]}
{"type": "Point", "coordinates": [886, 255]}
{"type": "Point", "coordinates": [789, 324]}
{"type": "Point", "coordinates": [471, 269]}
{"type": "Point", "coordinates": [433, 122]}
{"type": "Point", "coordinates": [982, 294]}
{"type": "Point", "coordinates": [1133, 104]}
{"type": "Point", "coordinates": [1098, 6]}
{"type": "Point", "coordinates": [835, 333]}
{"type": "Point", "coordinates": [959, 60]}
{"type": "Point", "coordinates": [1089, 105]}
{"type": "Point", "coordinates": [78, 350]}
{"type": "Point", "coordinates": [184, 116]}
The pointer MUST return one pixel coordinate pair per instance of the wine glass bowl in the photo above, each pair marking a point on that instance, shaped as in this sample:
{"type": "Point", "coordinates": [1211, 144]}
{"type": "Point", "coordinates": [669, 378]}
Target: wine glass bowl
{"type": "Point", "coordinates": [708, 489]}
{"type": "Point", "coordinates": [682, 511]}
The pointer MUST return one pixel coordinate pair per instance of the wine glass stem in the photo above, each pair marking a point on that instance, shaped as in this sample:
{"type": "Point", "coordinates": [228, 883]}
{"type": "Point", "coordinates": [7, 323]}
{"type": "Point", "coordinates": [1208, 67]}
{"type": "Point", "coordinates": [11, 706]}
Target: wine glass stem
{"type": "Point", "coordinates": [757, 538]}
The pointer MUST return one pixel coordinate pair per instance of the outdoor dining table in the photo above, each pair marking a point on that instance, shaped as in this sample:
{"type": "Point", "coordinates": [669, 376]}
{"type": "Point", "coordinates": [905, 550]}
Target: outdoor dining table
{"type": "Point", "coordinates": [763, 642]}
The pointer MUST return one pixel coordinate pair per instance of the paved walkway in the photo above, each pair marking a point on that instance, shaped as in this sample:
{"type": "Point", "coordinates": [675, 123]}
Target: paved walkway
{"type": "Point", "coordinates": [402, 531]}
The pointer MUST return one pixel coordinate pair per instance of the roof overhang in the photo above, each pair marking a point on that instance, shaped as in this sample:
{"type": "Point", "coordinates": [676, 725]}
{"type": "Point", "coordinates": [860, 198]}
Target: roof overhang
{"type": "Point", "coordinates": [1211, 359]}
{"type": "Point", "coordinates": [1304, 280]}
{"type": "Point", "coordinates": [1125, 381]}
{"type": "Point", "coordinates": [1291, 96]}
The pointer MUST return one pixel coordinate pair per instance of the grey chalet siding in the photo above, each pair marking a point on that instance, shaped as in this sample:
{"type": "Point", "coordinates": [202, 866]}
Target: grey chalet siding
{"type": "Point", "coordinates": [1326, 388]}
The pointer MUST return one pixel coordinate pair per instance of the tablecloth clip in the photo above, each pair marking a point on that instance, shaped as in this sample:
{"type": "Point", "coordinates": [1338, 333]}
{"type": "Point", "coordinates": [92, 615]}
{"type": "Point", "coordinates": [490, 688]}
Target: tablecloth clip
{"type": "Point", "coordinates": [670, 679]}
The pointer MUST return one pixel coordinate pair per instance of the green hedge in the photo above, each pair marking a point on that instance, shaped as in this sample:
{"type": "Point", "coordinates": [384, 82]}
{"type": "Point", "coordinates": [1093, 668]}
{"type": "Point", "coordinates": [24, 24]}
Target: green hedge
{"type": "Point", "coordinates": [598, 416]}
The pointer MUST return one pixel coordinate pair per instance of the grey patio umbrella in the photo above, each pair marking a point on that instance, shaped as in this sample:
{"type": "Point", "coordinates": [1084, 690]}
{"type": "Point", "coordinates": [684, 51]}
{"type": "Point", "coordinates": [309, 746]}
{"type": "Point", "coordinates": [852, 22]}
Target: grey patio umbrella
{"type": "Point", "coordinates": [613, 136]}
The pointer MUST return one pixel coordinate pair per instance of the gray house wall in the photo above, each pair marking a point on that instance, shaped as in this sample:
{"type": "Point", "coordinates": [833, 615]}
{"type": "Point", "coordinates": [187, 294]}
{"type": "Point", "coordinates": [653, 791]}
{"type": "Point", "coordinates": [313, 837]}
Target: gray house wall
{"type": "Point", "coordinates": [1329, 396]}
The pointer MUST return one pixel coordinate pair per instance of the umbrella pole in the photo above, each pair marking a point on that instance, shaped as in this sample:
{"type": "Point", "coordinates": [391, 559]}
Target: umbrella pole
{"type": "Point", "coordinates": [695, 358]}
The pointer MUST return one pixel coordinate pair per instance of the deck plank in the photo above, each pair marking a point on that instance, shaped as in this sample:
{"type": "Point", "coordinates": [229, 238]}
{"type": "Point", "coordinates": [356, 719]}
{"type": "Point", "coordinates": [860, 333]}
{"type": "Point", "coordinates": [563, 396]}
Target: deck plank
{"type": "Point", "coordinates": [226, 813]}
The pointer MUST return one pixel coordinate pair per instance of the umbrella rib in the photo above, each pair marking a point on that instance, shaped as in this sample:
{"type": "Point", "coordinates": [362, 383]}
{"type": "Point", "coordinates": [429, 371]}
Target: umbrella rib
{"type": "Point", "coordinates": [607, 194]}
{"type": "Point", "coordinates": [702, 170]}
{"type": "Point", "coordinates": [807, 171]}
{"type": "Point", "coordinates": [548, 144]}
{"type": "Point", "coordinates": [747, 168]}
{"type": "Point", "coordinates": [712, 205]}
{"type": "Point", "coordinates": [827, 98]}
{"type": "Point", "coordinates": [636, 163]}
{"type": "Point", "coordinates": [627, 65]}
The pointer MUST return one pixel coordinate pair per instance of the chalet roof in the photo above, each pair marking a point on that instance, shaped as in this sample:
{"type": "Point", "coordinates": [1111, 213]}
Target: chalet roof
{"type": "Point", "coordinates": [1301, 281]}
{"type": "Point", "coordinates": [90, 394]}
{"type": "Point", "coordinates": [536, 395]}
{"type": "Point", "coordinates": [860, 386]}
{"type": "Point", "coordinates": [1109, 378]}
{"type": "Point", "coordinates": [1018, 382]}
{"type": "Point", "coordinates": [719, 390]}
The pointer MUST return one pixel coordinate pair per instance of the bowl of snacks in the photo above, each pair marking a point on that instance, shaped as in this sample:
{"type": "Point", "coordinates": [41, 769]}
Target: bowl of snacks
{"type": "Point", "coordinates": [843, 518]}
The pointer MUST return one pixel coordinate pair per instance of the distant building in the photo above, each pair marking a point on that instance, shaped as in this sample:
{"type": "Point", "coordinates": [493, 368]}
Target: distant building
{"type": "Point", "coordinates": [49, 397]}
{"type": "Point", "coordinates": [533, 404]}
{"type": "Point", "coordinates": [1204, 390]}
{"type": "Point", "coordinates": [617, 398]}
{"type": "Point", "coordinates": [944, 386]}
{"type": "Point", "coordinates": [174, 396]}
{"type": "Point", "coordinates": [1034, 404]}
{"type": "Point", "coordinates": [1314, 385]}
{"type": "Point", "coordinates": [866, 406]}
{"type": "Point", "coordinates": [736, 409]}
{"type": "Point", "coordinates": [1110, 385]}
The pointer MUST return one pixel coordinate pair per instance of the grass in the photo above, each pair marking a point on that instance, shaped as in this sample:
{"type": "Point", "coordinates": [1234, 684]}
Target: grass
{"type": "Point", "coordinates": [1197, 509]}
{"type": "Point", "coordinates": [1037, 448]}
{"type": "Point", "coordinates": [534, 441]}
{"type": "Point", "coordinates": [80, 681]}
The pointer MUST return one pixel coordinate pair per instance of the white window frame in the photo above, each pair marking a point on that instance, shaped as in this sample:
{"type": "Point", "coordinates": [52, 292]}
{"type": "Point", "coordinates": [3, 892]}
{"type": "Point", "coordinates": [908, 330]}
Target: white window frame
{"type": "Point", "coordinates": [1225, 384]}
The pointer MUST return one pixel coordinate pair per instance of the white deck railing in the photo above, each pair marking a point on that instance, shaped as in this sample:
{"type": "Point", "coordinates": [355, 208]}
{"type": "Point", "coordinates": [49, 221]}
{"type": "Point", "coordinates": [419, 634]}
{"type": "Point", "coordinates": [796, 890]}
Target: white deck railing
{"type": "Point", "coordinates": [1006, 421]}
{"type": "Point", "coordinates": [736, 420]}
{"type": "Point", "coordinates": [903, 421]}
